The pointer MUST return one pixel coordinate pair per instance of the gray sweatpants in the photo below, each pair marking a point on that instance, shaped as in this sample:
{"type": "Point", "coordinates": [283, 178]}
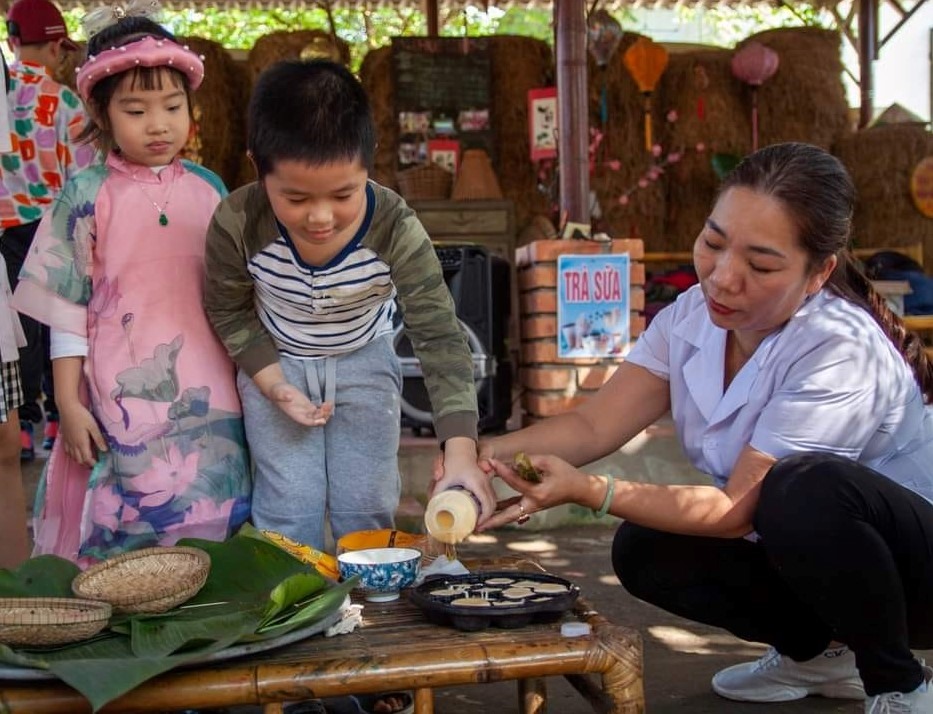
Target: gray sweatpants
{"type": "Point", "coordinates": [347, 468]}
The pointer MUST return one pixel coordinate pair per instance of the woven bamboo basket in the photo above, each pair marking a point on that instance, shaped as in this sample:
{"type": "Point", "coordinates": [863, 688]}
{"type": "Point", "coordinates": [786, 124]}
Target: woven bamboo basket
{"type": "Point", "coordinates": [425, 183]}
{"type": "Point", "coordinates": [38, 621]}
{"type": "Point", "coordinates": [149, 580]}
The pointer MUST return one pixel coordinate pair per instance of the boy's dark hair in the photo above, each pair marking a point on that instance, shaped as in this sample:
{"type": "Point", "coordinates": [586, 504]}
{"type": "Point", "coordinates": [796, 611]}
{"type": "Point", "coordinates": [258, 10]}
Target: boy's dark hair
{"type": "Point", "coordinates": [314, 112]}
{"type": "Point", "coordinates": [123, 32]}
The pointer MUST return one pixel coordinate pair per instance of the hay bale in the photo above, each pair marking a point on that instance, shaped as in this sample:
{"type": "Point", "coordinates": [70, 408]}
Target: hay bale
{"type": "Point", "coordinates": [517, 64]}
{"type": "Point", "coordinates": [295, 44]}
{"type": "Point", "coordinates": [805, 100]}
{"type": "Point", "coordinates": [725, 127]}
{"type": "Point", "coordinates": [376, 78]}
{"type": "Point", "coordinates": [218, 111]}
{"type": "Point", "coordinates": [881, 161]}
{"type": "Point", "coordinates": [624, 142]}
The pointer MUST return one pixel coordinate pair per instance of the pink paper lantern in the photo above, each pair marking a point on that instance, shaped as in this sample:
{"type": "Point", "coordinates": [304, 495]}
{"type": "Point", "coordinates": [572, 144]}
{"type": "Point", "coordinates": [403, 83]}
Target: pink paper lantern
{"type": "Point", "coordinates": [755, 64]}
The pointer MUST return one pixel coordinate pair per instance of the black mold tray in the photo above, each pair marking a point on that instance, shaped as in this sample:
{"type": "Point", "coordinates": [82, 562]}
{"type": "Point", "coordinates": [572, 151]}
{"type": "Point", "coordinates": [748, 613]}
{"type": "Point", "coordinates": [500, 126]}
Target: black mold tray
{"type": "Point", "coordinates": [440, 598]}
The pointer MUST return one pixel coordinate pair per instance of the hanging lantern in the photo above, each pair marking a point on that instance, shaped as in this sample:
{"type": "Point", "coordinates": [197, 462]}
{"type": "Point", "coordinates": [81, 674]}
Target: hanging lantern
{"type": "Point", "coordinates": [646, 61]}
{"type": "Point", "coordinates": [603, 34]}
{"type": "Point", "coordinates": [755, 64]}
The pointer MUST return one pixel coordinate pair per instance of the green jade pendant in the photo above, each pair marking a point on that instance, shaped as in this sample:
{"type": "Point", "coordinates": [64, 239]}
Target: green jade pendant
{"type": "Point", "coordinates": [163, 219]}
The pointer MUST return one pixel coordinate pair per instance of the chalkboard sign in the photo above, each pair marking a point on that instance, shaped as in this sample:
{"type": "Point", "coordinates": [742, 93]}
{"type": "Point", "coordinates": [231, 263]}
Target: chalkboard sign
{"type": "Point", "coordinates": [440, 73]}
{"type": "Point", "coordinates": [442, 97]}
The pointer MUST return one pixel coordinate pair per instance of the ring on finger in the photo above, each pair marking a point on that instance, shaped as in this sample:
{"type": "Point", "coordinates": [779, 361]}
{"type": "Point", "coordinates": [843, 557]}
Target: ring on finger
{"type": "Point", "coordinates": [523, 516]}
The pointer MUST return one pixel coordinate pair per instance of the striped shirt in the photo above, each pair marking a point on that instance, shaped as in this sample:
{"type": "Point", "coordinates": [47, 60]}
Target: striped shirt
{"type": "Point", "coordinates": [264, 301]}
{"type": "Point", "coordinates": [318, 311]}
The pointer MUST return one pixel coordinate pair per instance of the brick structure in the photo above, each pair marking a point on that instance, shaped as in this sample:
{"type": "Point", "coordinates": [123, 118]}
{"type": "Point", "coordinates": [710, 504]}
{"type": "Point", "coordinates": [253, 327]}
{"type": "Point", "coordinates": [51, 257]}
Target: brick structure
{"type": "Point", "coordinates": [551, 385]}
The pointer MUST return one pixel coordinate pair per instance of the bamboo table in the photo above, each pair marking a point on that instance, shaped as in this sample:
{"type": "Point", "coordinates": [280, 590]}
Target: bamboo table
{"type": "Point", "coordinates": [395, 649]}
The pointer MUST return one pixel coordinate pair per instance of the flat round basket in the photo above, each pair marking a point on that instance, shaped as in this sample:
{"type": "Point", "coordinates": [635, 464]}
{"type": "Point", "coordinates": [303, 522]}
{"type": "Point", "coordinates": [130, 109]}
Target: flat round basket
{"type": "Point", "coordinates": [38, 621]}
{"type": "Point", "coordinates": [146, 580]}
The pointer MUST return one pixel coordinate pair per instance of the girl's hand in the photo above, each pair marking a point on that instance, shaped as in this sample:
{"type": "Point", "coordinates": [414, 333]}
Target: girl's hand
{"type": "Point", "coordinates": [80, 435]}
{"type": "Point", "coordinates": [560, 483]}
{"type": "Point", "coordinates": [297, 406]}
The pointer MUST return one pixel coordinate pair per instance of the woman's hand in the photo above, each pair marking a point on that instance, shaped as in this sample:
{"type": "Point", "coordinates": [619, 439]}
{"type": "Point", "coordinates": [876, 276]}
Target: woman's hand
{"type": "Point", "coordinates": [297, 406]}
{"type": "Point", "coordinates": [80, 435]}
{"type": "Point", "coordinates": [560, 483]}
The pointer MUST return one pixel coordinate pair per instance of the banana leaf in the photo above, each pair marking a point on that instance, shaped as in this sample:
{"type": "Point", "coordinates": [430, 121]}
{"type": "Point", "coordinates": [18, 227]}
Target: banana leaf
{"type": "Point", "coordinates": [254, 591]}
{"type": "Point", "coordinates": [42, 576]}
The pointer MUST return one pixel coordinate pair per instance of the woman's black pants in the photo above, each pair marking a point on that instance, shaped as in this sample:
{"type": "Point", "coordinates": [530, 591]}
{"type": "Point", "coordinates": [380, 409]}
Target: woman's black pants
{"type": "Point", "coordinates": [844, 554]}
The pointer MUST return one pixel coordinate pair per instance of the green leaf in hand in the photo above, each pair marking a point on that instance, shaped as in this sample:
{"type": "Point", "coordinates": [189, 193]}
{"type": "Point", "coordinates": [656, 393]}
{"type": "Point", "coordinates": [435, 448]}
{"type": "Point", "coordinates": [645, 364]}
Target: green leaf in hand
{"type": "Point", "coordinates": [521, 464]}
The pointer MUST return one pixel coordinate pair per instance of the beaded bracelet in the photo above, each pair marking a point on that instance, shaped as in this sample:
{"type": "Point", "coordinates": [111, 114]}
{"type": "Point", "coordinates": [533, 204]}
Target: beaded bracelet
{"type": "Point", "coordinates": [607, 501]}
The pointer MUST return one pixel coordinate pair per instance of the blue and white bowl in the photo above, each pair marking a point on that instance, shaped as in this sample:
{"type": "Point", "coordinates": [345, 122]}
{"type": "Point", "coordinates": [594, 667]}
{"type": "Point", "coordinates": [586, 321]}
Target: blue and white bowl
{"type": "Point", "coordinates": [383, 571]}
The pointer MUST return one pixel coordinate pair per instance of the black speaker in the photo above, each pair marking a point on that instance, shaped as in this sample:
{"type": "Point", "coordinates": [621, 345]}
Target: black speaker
{"type": "Point", "coordinates": [480, 284]}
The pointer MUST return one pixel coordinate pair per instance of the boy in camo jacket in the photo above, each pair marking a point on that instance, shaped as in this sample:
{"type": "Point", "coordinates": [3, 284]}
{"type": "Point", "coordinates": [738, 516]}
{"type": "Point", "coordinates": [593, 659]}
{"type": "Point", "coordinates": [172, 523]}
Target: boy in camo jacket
{"type": "Point", "coordinates": [304, 267]}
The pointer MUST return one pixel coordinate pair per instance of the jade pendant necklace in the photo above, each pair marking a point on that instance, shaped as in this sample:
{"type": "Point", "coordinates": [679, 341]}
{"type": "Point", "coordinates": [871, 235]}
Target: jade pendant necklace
{"type": "Point", "coordinates": [161, 208]}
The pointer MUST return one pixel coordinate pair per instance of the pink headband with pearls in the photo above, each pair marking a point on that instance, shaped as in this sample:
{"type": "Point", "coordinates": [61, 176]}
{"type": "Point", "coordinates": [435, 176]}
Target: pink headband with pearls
{"type": "Point", "coordinates": [146, 52]}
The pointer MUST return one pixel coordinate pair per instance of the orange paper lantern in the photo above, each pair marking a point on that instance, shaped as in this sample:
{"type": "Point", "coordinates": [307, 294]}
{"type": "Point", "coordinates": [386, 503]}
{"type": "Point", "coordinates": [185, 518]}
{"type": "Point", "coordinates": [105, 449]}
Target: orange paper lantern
{"type": "Point", "coordinates": [646, 61]}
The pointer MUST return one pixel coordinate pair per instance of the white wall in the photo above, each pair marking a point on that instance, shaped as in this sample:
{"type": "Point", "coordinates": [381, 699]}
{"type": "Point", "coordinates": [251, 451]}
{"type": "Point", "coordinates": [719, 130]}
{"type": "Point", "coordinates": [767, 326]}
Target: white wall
{"type": "Point", "coordinates": [902, 71]}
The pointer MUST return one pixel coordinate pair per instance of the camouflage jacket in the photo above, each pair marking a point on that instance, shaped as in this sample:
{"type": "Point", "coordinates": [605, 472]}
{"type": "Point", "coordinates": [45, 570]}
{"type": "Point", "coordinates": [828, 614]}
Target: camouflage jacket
{"type": "Point", "coordinates": [244, 224]}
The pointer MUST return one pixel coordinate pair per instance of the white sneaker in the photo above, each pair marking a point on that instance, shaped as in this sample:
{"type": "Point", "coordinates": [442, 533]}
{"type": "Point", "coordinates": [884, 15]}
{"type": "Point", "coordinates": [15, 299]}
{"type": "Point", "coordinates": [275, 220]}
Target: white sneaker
{"type": "Point", "coordinates": [919, 701]}
{"type": "Point", "coordinates": [774, 678]}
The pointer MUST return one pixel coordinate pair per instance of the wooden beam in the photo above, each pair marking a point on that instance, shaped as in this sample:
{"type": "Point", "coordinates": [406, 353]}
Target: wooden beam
{"type": "Point", "coordinates": [573, 127]}
{"type": "Point", "coordinates": [432, 17]}
{"type": "Point", "coordinates": [867, 28]}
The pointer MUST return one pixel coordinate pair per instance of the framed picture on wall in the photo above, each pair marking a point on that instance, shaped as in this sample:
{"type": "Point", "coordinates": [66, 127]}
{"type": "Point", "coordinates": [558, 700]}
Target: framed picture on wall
{"type": "Point", "coordinates": [445, 153]}
{"type": "Point", "coordinates": [542, 123]}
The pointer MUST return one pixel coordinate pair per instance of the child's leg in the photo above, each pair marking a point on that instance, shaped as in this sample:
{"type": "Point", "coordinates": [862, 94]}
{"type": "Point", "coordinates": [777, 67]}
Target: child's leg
{"type": "Point", "coordinates": [362, 440]}
{"type": "Point", "coordinates": [289, 481]}
{"type": "Point", "coordinates": [14, 542]}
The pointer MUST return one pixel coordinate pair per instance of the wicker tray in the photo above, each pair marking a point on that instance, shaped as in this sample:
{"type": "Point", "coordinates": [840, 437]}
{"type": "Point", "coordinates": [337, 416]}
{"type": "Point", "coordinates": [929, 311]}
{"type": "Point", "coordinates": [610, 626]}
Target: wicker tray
{"type": "Point", "coordinates": [147, 580]}
{"type": "Point", "coordinates": [38, 621]}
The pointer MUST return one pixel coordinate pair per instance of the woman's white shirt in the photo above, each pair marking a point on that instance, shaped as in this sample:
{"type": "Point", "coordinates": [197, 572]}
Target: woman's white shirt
{"type": "Point", "coordinates": [828, 381]}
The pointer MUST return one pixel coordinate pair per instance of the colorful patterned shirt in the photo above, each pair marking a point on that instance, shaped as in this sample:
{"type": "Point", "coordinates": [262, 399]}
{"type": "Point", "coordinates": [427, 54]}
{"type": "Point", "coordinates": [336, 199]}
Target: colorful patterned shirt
{"type": "Point", "coordinates": [45, 120]}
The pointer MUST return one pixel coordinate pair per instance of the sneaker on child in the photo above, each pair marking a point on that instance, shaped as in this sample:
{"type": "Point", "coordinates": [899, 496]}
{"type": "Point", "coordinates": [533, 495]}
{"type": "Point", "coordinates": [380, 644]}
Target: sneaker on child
{"type": "Point", "coordinates": [775, 678]}
{"type": "Point", "coordinates": [27, 449]}
{"type": "Point", "coordinates": [919, 701]}
{"type": "Point", "coordinates": [50, 433]}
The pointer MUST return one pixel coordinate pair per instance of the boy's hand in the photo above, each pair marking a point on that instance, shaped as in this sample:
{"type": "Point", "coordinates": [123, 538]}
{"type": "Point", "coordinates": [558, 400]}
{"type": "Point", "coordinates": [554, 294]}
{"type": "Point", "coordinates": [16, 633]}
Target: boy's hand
{"type": "Point", "coordinates": [460, 468]}
{"type": "Point", "coordinates": [80, 435]}
{"type": "Point", "coordinates": [297, 406]}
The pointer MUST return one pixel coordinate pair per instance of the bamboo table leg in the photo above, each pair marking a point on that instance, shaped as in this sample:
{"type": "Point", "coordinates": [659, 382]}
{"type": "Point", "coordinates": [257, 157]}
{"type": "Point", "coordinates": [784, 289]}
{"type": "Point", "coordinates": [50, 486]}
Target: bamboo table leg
{"type": "Point", "coordinates": [532, 696]}
{"type": "Point", "coordinates": [274, 708]}
{"type": "Point", "coordinates": [424, 701]}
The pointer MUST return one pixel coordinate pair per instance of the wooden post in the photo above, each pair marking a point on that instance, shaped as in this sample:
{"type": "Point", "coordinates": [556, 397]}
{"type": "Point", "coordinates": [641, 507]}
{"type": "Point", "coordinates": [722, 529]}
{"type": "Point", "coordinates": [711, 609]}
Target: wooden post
{"type": "Point", "coordinates": [867, 12]}
{"type": "Point", "coordinates": [431, 14]}
{"type": "Point", "coordinates": [573, 127]}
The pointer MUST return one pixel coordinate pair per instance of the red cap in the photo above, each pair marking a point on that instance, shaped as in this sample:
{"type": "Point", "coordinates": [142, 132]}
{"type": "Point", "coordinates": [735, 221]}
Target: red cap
{"type": "Point", "coordinates": [35, 21]}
